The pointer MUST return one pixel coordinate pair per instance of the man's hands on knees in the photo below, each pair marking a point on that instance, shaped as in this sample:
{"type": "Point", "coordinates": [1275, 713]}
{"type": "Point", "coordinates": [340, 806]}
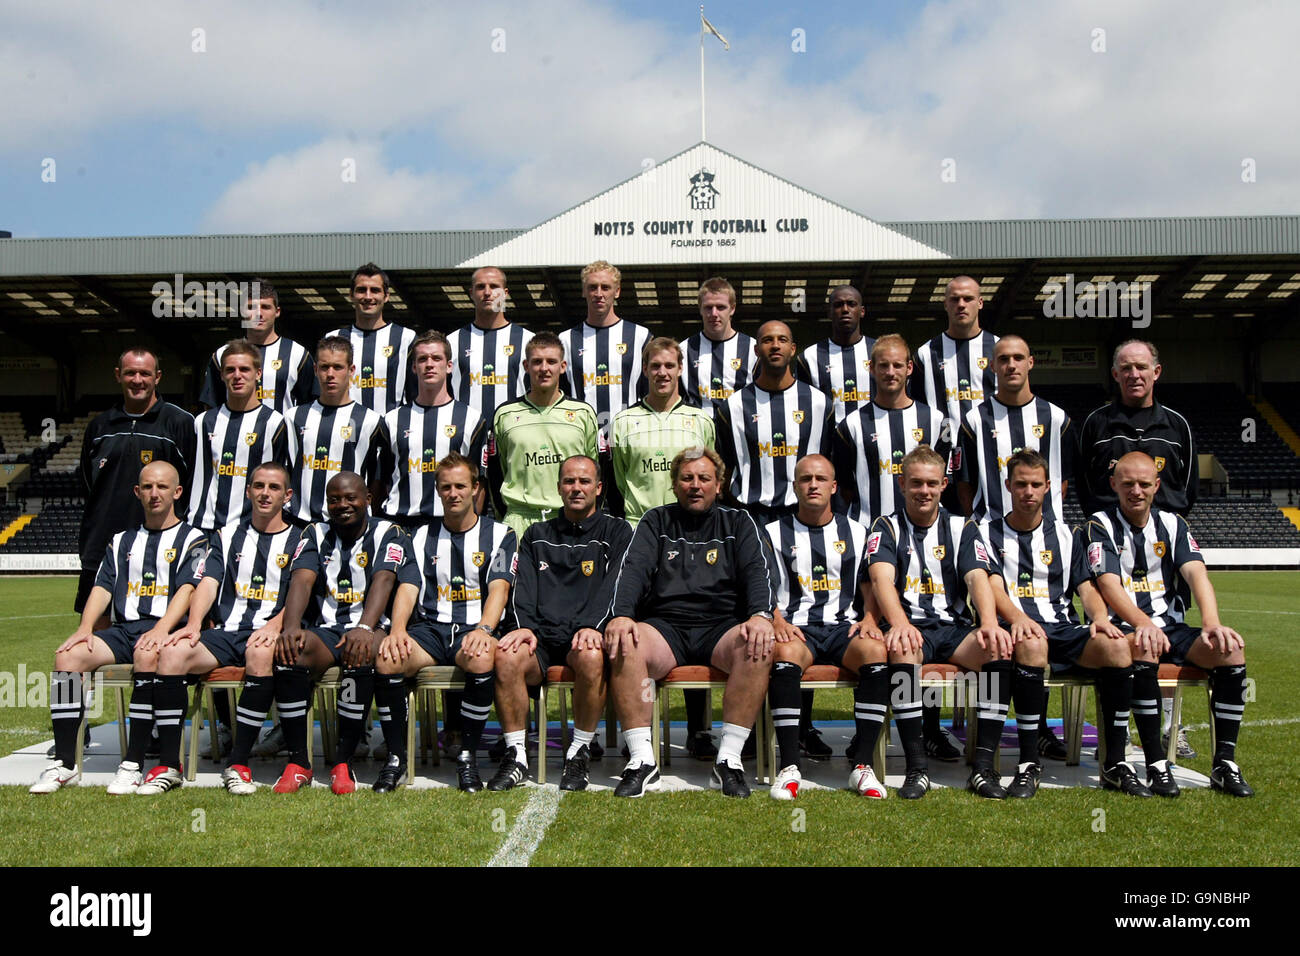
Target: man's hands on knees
{"type": "Point", "coordinates": [905, 639]}
{"type": "Point", "coordinates": [1025, 628]}
{"type": "Point", "coordinates": [1149, 641]}
{"type": "Point", "coordinates": [1104, 628]}
{"type": "Point", "coordinates": [190, 632]}
{"type": "Point", "coordinates": [620, 636]}
{"type": "Point", "coordinates": [477, 643]}
{"type": "Point", "coordinates": [359, 646]}
{"type": "Point", "coordinates": [759, 636]}
{"type": "Point", "coordinates": [78, 637]}
{"type": "Point", "coordinates": [521, 640]}
{"type": "Point", "coordinates": [396, 646]}
{"type": "Point", "coordinates": [786, 632]}
{"type": "Point", "coordinates": [994, 640]}
{"type": "Point", "coordinates": [1222, 639]}
{"type": "Point", "coordinates": [292, 641]}
{"type": "Point", "coordinates": [867, 629]}
{"type": "Point", "coordinates": [587, 639]}
{"type": "Point", "coordinates": [265, 636]}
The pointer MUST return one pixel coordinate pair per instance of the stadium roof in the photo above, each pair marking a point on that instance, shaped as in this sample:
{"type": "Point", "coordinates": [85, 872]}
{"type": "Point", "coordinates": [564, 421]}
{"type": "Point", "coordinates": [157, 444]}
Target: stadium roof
{"type": "Point", "coordinates": [770, 237]}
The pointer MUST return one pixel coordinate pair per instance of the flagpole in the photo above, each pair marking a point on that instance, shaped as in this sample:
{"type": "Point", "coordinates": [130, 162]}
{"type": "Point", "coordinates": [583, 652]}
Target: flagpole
{"type": "Point", "coordinates": [703, 137]}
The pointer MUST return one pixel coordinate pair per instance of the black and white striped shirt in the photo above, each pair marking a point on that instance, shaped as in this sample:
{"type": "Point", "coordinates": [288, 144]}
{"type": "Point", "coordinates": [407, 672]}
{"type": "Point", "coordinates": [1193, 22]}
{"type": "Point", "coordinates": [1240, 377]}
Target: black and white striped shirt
{"type": "Point", "coordinates": [1147, 560]}
{"type": "Point", "coordinates": [456, 567]}
{"type": "Point", "coordinates": [714, 371]}
{"type": "Point", "coordinates": [844, 374]}
{"type": "Point", "coordinates": [344, 572]}
{"type": "Point", "coordinates": [143, 569]}
{"type": "Point", "coordinates": [954, 375]}
{"type": "Point", "coordinates": [605, 368]}
{"type": "Point", "coordinates": [869, 445]}
{"type": "Point", "coordinates": [230, 445]}
{"type": "Point", "coordinates": [762, 434]}
{"type": "Point", "coordinates": [992, 432]}
{"type": "Point", "coordinates": [488, 366]}
{"type": "Point", "coordinates": [252, 570]}
{"type": "Point", "coordinates": [819, 569]}
{"type": "Point", "coordinates": [288, 377]}
{"type": "Point", "coordinates": [420, 436]}
{"type": "Point", "coordinates": [382, 369]}
{"type": "Point", "coordinates": [325, 440]}
{"type": "Point", "coordinates": [1041, 568]}
{"type": "Point", "coordinates": [930, 564]}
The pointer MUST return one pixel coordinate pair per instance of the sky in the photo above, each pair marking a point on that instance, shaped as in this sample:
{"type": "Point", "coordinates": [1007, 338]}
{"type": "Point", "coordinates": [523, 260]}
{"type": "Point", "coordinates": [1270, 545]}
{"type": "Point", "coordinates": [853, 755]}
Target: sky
{"type": "Point", "coordinates": [165, 118]}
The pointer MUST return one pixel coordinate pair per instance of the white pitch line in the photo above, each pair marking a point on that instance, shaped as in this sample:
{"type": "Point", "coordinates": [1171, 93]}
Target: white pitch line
{"type": "Point", "coordinates": [32, 617]}
{"type": "Point", "coordinates": [1253, 610]}
{"type": "Point", "coordinates": [1270, 722]}
{"type": "Point", "coordinates": [526, 835]}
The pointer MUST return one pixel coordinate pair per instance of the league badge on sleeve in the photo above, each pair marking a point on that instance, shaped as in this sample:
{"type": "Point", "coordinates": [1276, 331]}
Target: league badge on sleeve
{"type": "Point", "coordinates": [873, 542]}
{"type": "Point", "coordinates": [982, 554]}
{"type": "Point", "coordinates": [393, 555]}
{"type": "Point", "coordinates": [1191, 543]}
{"type": "Point", "coordinates": [1094, 557]}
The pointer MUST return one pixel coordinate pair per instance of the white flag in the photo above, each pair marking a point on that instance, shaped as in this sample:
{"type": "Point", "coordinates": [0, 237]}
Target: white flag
{"type": "Point", "coordinates": [706, 25]}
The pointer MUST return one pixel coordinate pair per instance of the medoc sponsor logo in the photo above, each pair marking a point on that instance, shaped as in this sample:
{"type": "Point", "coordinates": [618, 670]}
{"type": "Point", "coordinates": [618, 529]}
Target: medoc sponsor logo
{"type": "Point", "coordinates": [78, 909]}
{"type": "Point", "coordinates": [1098, 300]}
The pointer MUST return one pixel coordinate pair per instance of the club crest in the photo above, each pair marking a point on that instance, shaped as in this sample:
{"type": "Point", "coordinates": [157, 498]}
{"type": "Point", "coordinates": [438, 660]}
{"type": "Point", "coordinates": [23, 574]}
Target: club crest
{"type": "Point", "coordinates": [711, 556]}
{"type": "Point", "coordinates": [918, 434]}
{"type": "Point", "coordinates": [146, 457]}
{"type": "Point", "coordinates": [1045, 557]}
{"type": "Point", "coordinates": [735, 364]}
{"type": "Point", "coordinates": [939, 551]}
{"type": "Point", "coordinates": [507, 350]}
{"type": "Point", "coordinates": [281, 560]}
{"type": "Point", "coordinates": [478, 558]}
{"type": "Point", "coordinates": [169, 555]}
{"type": "Point", "coordinates": [1159, 549]}
{"type": "Point", "coordinates": [1038, 431]}
{"type": "Point", "coordinates": [1160, 464]}
{"type": "Point", "coordinates": [276, 363]}
{"type": "Point", "coordinates": [449, 431]}
{"type": "Point", "coordinates": [363, 559]}
{"type": "Point", "coordinates": [797, 415]}
{"type": "Point", "coordinates": [346, 432]}
{"type": "Point", "coordinates": [839, 547]}
{"type": "Point", "coordinates": [388, 351]}
{"type": "Point", "coordinates": [250, 438]}
{"type": "Point", "coordinates": [982, 362]}
{"type": "Point", "coordinates": [621, 348]}
{"type": "Point", "coordinates": [588, 568]}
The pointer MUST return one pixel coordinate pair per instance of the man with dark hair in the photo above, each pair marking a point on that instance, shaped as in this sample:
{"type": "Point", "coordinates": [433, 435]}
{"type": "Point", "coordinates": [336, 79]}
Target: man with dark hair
{"type": "Point", "coordinates": [380, 348]}
{"type": "Point", "coordinates": [841, 365]}
{"type": "Point", "coordinates": [1135, 421]}
{"type": "Point", "coordinates": [929, 572]}
{"type": "Point", "coordinates": [232, 438]}
{"type": "Point", "coordinates": [333, 434]}
{"type": "Point", "coordinates": [770, 424]}
{"type": "Point", "coordinates": [1038, 565]}
{"type": "Point", "coordinates": [241, 585]}
{"type": "Point", "coordinates": [694, 588]}
{"type": "Point", "coordinates": [718, 357]}
{"type": "Point", "coordinates": [487, 356]}
{"type": "Point", "coordinates": [287, 376]}
{"type": "Point", "coordinates": [534, 434]}
{"type": "Point", "coordinates": [604, 351]}
{"type": "Point", "coordinates": [564, 580]}
{"type": "Point", "coordinates": [462, 569]}
{"type": "Point", "coordinates": [145, 578]}
{"type": "Point", "coordinates": [424, 431]}
{"type": "Point", "coordinates": [139, 429]}
{"type": "Point", "coordinates": [343, 580]}
{"type": "Point", "coordinates": [1148, 567]}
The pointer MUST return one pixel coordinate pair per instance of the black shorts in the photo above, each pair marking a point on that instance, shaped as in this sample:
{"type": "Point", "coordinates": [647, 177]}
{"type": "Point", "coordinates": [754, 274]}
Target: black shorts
{"type": "Point", "coordinates": [828, 642]}
{"type": "Point", "coordinates": [552, 650]}
{"type": "Point", "coordinates": [1066, 644]}
{"type": "Point", "coordinates": [121, 638]}
{"type": "Point", "coordinates": [330, 638]}
{"type": "Point", "coordinates": [226, 646]}
{"type": "Point", "coordinates": [439, 641]}
{"type": "Point", "coordinates": [941, 641]}
{"type": "Point", "coordinates": [1182, 638]}
{"type": "Point", "coordinates": [691, 645]}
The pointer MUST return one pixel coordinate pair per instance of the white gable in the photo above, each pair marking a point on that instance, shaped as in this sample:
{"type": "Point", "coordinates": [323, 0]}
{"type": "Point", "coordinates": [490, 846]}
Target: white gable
{"type": "Point", "coordinates": [704, 205]}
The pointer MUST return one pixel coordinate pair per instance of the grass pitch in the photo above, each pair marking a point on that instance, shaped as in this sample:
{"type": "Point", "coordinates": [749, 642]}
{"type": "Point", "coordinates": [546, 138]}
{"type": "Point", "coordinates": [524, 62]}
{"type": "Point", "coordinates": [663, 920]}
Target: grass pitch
{"type": "Point", "coordinates": [431, 828]}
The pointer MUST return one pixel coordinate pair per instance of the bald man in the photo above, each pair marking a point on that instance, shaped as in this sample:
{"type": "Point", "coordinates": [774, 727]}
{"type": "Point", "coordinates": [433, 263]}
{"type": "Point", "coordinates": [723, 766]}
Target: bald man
{"type": "Point", "coordinates": [1148, 567]}
{"type": "Point", "coordinates": [146, 579]}
{"type": "Point", "coordinates": [138, 429]}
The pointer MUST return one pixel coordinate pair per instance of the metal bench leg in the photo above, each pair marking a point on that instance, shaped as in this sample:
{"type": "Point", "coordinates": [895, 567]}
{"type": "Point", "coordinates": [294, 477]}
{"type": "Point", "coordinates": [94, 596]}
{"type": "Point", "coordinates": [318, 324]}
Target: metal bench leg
{"type": "Point", "coordinates": [543, 728]}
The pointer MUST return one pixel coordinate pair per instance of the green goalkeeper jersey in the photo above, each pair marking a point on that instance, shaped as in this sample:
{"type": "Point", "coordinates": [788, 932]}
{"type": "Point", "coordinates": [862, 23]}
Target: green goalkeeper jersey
{"type": "Point", "coordinates": [531, 442]}
{"type": "Point", "coordinates": [644, 442]}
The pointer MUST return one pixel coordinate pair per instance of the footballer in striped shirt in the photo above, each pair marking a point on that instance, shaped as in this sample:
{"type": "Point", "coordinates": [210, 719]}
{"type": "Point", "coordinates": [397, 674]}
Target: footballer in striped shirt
{"type": "Point", "coordinates": [822, 617]}
{"type": "Point", "coordinates": [1148, 566]}
{"type": "Point", "coordinates": [1011, 420]}
{"type": "Point", "coordinates": [332, 435]}
{"type": "Point", "coordinates": [287, 377]}
{"type": "Point", "coordinates": [767, 426]}
{"type": "Point", "coordinates": [646, 437]}
{"type": "Point", "coordinates": [449, 611]}
{"type": "Point", "coordinates": [954, 370]}
{"type": "Point", "coordinates": [488, 355]}
{"type": "Point", "coordinates": [869, 443]}
{"type": "Point", "coordinates": [146, 580]}
{"type": "Point", "coordinates": [929, 572]}
{"type": "Point", "coordinates": [232, 438]}
{"type": "Point", "coordinates": [1039, 565]}
{"type": "Point", "coordinates": [604, 351]}
{"type": "Point", "coordinates": [242, 582]}
{"type": "Point", "coordinates": [342, 584]}
{"type": "Point", "coordinates": [841, 365]}
{"type": "Point", "coordinates": [719, 358]}
{"type": "Point", "coordinates": [380, 348]}
{"type": "Point", "coordinates": [423, 432]}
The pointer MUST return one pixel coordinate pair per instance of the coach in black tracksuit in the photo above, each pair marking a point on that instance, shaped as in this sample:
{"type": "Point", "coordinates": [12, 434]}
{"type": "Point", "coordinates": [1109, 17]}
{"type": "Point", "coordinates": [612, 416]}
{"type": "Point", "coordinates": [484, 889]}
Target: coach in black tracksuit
{"type": "Point", "coordinates": [1137, 422]}
{"type": "Point", "coordinates": [119, 442]}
